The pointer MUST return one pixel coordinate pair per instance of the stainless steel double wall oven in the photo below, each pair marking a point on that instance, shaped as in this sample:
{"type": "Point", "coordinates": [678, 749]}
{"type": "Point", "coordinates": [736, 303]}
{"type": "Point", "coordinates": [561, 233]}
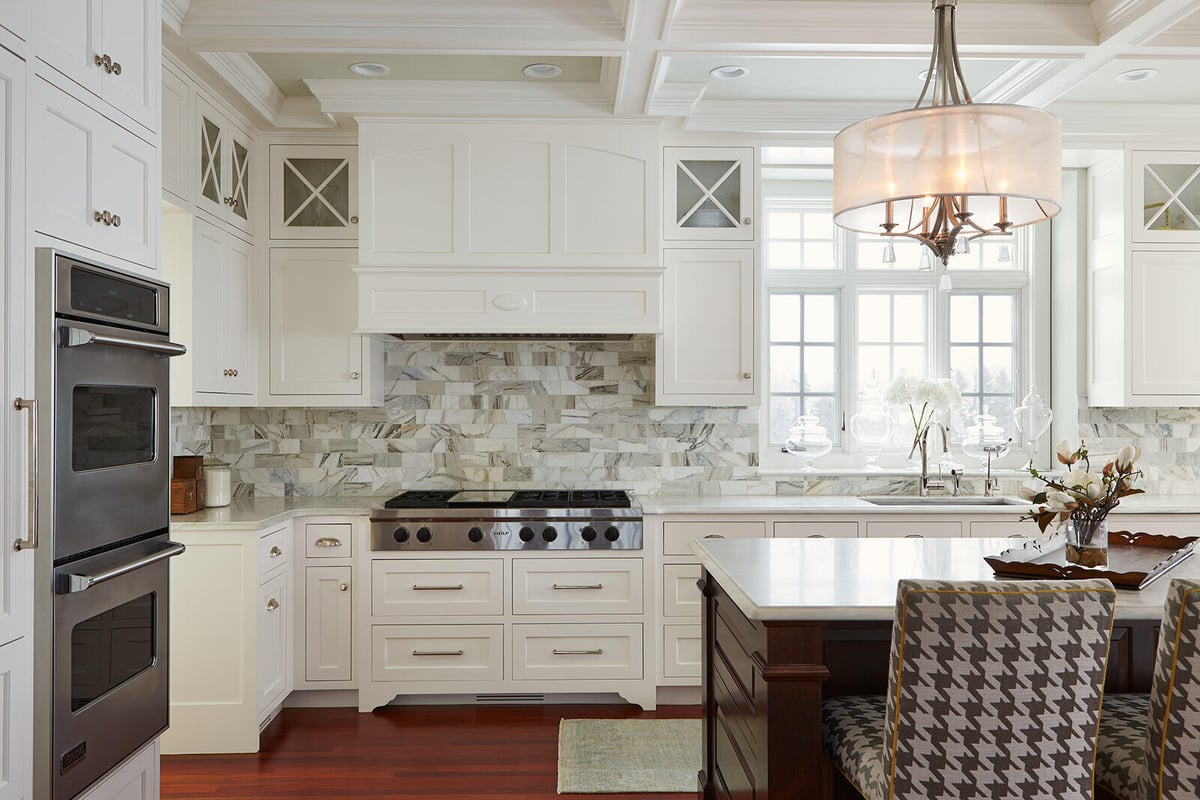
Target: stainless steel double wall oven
{"type": "Point", "coordinates": [103, 350]}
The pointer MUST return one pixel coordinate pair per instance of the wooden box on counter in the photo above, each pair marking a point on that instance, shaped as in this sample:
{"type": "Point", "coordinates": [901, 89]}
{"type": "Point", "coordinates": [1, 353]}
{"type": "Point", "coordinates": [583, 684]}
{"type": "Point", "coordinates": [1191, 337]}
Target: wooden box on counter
{"type": "Point", "coordinates": [187, 495]}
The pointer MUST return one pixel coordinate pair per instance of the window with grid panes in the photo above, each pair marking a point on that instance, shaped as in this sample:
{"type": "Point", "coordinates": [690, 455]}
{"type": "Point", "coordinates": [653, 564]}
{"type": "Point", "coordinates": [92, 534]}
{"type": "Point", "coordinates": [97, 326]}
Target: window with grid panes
{"type": "Point", "coordinates": [842, 317]}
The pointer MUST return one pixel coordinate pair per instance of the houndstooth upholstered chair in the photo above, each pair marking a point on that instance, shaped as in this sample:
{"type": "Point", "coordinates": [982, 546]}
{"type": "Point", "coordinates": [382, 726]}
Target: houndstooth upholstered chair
{"type": "Point", "coordinates": [994, 692]}
{"type": "Point", "coordinates": [1150, 744]}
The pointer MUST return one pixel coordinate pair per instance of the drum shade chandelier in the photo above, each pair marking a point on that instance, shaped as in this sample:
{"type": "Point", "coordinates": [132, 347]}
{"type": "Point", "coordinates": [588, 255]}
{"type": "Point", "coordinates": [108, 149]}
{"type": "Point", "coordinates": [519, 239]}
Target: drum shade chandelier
{"type": "Point", "coordinates": [948, 170]}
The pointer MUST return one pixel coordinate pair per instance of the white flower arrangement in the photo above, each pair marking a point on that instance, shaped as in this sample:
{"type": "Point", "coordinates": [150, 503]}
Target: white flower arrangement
{"type": "Point", "coordinates": [931, 393]}
{"type": "Point", "coordinates": [1082, 495]}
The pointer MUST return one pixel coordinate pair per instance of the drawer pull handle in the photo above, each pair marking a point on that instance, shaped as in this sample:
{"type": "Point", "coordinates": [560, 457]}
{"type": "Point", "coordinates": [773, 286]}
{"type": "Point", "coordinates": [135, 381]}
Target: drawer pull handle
{"type": "Point", "coordinates": [714, 536]}
{"type": "Point", "coordinates": [272, 604]}
{"type": "Point", "coordinates": [275, 552]}
{"type": "Point", "coordinates": [579, 586]}
{"type": "Point", "coordinates": [597, 652]}
{"type": "Point", "coordinates": [437, 652]}
{"type": "Point", "coordinates": [327, 541]}
{"type": "Point", "coordinates": [456, 588]}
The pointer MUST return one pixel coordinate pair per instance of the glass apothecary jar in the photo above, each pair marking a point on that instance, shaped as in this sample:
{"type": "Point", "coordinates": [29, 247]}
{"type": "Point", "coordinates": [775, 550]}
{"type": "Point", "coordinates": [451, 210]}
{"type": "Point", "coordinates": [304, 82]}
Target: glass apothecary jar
{"type": "Point", "coordinates": [808, 440]}
{"type": "Point", "coordinates": [218, 483]}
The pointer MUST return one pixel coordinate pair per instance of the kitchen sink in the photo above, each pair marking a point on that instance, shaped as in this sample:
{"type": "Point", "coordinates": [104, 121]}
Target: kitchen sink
{"type": "Point", "coordinates": [942, 500]}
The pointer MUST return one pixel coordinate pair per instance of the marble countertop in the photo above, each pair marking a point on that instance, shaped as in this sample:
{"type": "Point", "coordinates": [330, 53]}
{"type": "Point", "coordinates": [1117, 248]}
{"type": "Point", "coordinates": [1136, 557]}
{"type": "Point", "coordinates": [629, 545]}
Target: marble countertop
{"type": "Point", "coordinates": [254, 513]}
{"type": "Point", "coordinates": [855, 579]}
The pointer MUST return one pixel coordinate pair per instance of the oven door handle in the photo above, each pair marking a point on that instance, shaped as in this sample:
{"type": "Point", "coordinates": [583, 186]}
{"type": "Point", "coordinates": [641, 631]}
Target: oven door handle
{"type": "Point", "coordinates": [76, 337]}
{"type": "Point", "coordinates": [70, 583]}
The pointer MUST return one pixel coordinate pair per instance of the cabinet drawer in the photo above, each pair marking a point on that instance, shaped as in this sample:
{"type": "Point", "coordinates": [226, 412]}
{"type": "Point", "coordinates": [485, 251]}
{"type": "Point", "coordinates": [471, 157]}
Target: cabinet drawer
{"type": "Point", "coordinates": [437, 587]}
{"type": "Point", "coordinates": [681, 651]}
{"type": "Point", "coordinates": [813, 529]}
{"type": "Point", "coordinates": [274, 550]}
{"type": "Point", "coordinates": [328, 539]}
{"type": "Point", "coordinates": [437, 652]}
{"type": "Point", "coordinates": [577, 586]}
{"type": "Point", "coordinates": [681, 595]}
{"type": "Point", "coordinates": [917, 529]}
{"type": "Point", "coordinates": [997, 529]}
{"type": "Point", "coordinates": [602, 651]}
{"type": "Point", "coordinates": [1167, 524]}
{"type": "Point", "coordinates": [678, 535]}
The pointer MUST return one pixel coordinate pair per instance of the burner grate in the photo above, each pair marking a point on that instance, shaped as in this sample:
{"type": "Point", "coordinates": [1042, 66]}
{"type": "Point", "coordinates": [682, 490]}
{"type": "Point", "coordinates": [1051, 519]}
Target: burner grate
{"type": "Point", "coordinates": [526, 498]}
{"type": "Point", "coordinates": [422, 498]}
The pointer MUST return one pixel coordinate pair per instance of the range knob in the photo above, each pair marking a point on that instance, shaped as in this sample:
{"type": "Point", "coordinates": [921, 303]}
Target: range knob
{"type": "Point", "coordinates": [549, 533]}
{"type": "Point", "coordinates": [526, 534]}
{"type": "Point", "coordinates": [612, 534]}
{"type": "Point", "coordinates": [475, 535]}
{"type": "Point", "coordinates": [424, 535]}
{"type": "Point", "coordinates": [588, 533]}
{"type": "Point", "coordinates": [400, 535]}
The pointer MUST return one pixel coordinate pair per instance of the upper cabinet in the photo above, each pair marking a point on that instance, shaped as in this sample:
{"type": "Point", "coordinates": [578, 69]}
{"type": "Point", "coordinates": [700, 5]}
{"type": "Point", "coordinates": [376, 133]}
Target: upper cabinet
{"type": "Point", "coordinates": [176, 143]}
{"type": "Point", "coordinates": [708, 194]}
{"type": "Point", "coordinates": [92, 182]}
{"type": "Point", "coordinates": [109, 47]}
{"type": "Point", "coordinates": [223, 167]}
{"type": "Point", "coordinates": [529, 195]}
{"type": "Point", "coordinates": [1165, 202]}
{"type": "Point", "coordinates": [314, 192]}
{"type": "Point", "coordinates": [14, 15]}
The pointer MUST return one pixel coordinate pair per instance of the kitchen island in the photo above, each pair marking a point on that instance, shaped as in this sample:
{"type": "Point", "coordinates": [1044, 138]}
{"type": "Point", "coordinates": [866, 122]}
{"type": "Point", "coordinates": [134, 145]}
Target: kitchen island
{"type": "Point", "coordinates": [791, 622]}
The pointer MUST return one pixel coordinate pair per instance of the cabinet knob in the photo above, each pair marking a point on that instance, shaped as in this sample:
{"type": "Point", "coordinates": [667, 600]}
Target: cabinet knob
{"type": "Point", "coordinates": [353, 376]}
{"type": "Point", "coordinates": [275, 552]}
{"type": "Point", "coordinates": [116, 68]}
{"type": "Point", "coordinates": [747, 376]}
{"type": "Point", "coordinates": [343, 587]}
{"type": "Point", "coordinates": [105, 62]}
{"type": "Point", "coordinates": [116, 220]}
{"type": "Point", "coordinates": [272, 604]}
{"type": "Point", "coordinates": [104, 216]}
{"type": "Point", "coordinates": [746, 221]}
{"type": "Point", "coordinates": [354, 219]}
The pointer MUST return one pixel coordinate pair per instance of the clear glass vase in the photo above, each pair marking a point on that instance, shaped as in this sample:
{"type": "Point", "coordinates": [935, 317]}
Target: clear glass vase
{"type": "Point", "coordinates": [872, 429]}
{"type": "Point", "coordinates": [807, 439]}
{"type": "Point", "coordinates": [1087, 542]}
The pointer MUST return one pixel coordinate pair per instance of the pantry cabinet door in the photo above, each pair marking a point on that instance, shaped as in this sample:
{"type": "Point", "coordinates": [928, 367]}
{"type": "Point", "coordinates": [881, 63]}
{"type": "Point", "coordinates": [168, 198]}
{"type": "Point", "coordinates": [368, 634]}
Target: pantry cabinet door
{"type": "Point", "coordinates": [236, 324]}
{"type": "Point", "coordinates": [63, 158]}
{"type": "Point", "coordinates": [130, 35]}
{"type": "Point", "coordinates": [1163, 324]}
{"type": "Point", "coordinates": [127, 187]}
{"type": "Point", "coordinates": [67, 37]}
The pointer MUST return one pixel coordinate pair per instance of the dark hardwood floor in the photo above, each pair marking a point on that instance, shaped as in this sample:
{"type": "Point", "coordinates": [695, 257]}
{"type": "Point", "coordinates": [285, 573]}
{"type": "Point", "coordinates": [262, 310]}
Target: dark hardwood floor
{"type": "Point", "coordinates": [400, 753]}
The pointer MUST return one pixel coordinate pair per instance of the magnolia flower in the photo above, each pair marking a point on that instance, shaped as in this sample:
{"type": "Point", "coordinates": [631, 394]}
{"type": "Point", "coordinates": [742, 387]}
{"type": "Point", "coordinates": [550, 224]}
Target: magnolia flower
{"type": "Point", "coordinates": [1030, 490]}
{"type": "Point", "coordinates": [1128, 456]}
{"type": "Point", "coordinates": [1066, 453]}
{"type": "Point", "coordinates": [1060, 501]}
{"type": "Point", "coordinates": [1084, 482]}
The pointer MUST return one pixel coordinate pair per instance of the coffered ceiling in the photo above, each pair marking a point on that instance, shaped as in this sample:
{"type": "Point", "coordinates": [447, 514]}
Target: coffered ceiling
{"type": "Point", "coordinates": [812, 66]}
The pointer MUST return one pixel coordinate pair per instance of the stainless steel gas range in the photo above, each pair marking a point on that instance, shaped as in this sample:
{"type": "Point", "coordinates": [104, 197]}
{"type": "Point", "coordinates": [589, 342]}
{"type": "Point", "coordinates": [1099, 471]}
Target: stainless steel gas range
{"type": "Point", "coordinates": [524, 520]}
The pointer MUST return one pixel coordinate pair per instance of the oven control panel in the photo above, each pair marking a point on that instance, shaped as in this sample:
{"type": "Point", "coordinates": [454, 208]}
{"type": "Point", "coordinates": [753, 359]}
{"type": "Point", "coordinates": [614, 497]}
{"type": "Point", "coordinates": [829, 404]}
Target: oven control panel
{"type": "Point", "coordinates": [419, 534]}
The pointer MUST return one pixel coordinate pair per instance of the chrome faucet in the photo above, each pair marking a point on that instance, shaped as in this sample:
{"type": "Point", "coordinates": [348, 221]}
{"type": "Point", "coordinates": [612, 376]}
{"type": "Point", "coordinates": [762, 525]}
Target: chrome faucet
{"type": "Point", "coordinates": [928, 483]}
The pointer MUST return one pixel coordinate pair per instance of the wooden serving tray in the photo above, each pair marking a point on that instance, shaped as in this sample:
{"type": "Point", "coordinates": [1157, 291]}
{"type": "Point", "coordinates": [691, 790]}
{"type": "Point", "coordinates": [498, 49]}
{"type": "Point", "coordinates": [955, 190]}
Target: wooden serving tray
{"type": "Point", "coordinates": [1135, 560]}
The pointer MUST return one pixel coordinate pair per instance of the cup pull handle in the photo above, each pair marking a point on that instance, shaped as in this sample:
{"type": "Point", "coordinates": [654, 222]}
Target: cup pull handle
{"type": "Point", "coordinates": [327, 541]}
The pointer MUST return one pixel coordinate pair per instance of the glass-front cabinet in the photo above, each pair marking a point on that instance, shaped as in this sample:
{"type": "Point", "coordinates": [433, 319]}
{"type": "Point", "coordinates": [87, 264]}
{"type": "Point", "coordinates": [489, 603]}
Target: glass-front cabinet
{"type": "Point", "coordinates": [224, 162]}
{"type": "Point", "coordinates": [314, 193]}
{"type": "Point", "coordinates": [1166, 196]}
{"type": "Point", "coordinates": [708, 193]}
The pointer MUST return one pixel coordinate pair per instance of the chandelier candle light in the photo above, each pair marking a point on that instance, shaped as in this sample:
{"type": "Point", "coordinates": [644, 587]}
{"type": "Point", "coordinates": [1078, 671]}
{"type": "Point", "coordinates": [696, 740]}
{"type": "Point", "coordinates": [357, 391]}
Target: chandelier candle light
{"type": "Point", "coordinates": [948, 170]}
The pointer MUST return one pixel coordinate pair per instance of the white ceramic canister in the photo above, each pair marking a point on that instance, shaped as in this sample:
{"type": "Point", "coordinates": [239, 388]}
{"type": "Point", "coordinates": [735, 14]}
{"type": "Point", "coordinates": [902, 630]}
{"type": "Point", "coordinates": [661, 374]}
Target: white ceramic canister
{"type": "Point", "coordinates": [218, 486]}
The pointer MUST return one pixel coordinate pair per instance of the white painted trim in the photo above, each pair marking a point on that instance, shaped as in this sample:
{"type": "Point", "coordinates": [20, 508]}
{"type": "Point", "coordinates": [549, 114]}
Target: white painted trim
{"type": "Point", "coordinates": [249, 80]}
{"type": "Point", "coordinates": [675, 99]}
{"type": "Point", "coordinates": [1012, 84]}
{"type": "Point", "coordinates": [173, 14]}
{"type": "Point", "coordinates": [462, 98]}
{"type": "Point", "coordinates": [599, 14]}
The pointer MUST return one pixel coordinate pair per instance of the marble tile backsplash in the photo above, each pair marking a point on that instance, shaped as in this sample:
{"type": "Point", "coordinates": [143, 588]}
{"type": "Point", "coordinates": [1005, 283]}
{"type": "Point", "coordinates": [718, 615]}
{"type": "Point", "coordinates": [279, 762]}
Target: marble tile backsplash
{"type": "Point", "coordinates": [524, 414]}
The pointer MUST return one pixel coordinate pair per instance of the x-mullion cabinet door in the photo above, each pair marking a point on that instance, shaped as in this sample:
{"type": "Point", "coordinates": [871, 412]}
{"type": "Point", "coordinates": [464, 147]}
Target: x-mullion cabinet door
{"type": "Point", "coordinates": [708, 193]}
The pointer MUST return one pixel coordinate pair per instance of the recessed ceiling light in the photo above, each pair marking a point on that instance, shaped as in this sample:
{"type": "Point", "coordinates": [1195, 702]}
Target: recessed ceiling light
{"type": "Point", "coordinates": [1137, 75]}
{"type": "Point", "coordinates": [371, 69]}
{"type": "Point", "coordinates": [729, 72]}
{"type": "Point", "coordinates": [542, 71]}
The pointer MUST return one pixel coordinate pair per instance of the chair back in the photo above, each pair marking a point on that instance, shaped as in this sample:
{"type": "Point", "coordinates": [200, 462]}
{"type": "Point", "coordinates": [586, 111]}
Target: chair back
{"type": "Point", "coordinates": [995, 688]}
{"type": "Point", "coordinates": [1173, 726]}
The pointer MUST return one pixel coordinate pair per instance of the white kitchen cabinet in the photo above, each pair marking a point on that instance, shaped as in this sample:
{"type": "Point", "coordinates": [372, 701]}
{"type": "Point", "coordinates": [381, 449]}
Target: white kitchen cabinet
{"type": "Point", "coordinates": [314, 349]}
{"type": "Point", "coordinates": [708, 194]}
{"type": "Point", "coordinates": [14, 16]}
{"type": "Point", "coordinates": [108, 47]}
{"type": "Point", "coordinates": [221, 353]}
{"type": "Point", "coordinates": [1162, 324]}
{"type": "Point", "coordinates": [176, 140]}
{"type": "Point", "coordinates": [224, 167]}
{"type": "Point", "coordinates": [135, 778]}
{"type": "Point", "coordinates": [231, 637]}
{"type": "Point", "coordinates": [314, 191]}
{"type": "Point", "coordinates": [95, 184]}
{"type": "Point", "coordinates": [525, 195]}
{"type": "Point", "coordinates": [708, 347]}
{"type": "Point", "coordinates": [16, 720]}
{"type": "Point", "coordinates": [327, 623]}
{"type": "Point", "coordinates": [1164, 197]}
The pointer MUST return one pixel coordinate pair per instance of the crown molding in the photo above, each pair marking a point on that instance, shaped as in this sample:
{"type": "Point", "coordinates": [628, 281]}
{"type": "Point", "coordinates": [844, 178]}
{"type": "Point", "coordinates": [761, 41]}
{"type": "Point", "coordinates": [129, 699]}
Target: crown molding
{"type": "Point", "coordinates": [490, 99]}
{"type": "Point", "coordinates": [173, 13]}
{"type": "Point", "coordinates": [675, 99]}
{"type": "Point", "coordinates": [806, 118]}
{"type": "Point", "coordinates": [1012, 84]}
{"type": "Point", "coordinates": [605, 14]}
{"type": "Point", "coordinates": [248, 79]}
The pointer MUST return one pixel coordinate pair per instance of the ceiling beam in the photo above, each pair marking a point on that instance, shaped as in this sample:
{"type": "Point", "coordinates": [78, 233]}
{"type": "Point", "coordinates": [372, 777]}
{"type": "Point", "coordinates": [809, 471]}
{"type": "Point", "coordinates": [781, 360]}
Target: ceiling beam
{"type": "Point", "coordinates": [647, 20]}
{"type": "Point", "coordinates": [442, 99]}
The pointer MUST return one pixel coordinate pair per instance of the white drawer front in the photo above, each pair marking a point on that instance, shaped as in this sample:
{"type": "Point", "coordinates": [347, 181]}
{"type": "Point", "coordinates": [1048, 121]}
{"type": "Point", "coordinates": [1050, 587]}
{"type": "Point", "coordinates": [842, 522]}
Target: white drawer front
{"type": "Point", "coordinates": [681, 595]}
{"type": "Point", "coordinates": [678, 535]}
{"type": "Point", "coordinates": [274, 549]}
{"type": "Point", "coordinates": [1165, 524]}
{"type": "Point", "coordinates": [599, 651]}
{"type": "Point", "coordinates": [681, 651]}
{"type": "Point", "coordinates": [1011, 528]}
{"type": "Point", "coordinates": [328, 539]}
{"type": "Point", "coordinates": [437, 652]}
{"type": "Point", "coordinates": [577, 586]}
{"type": "Point", "coordinates": [436, 587]}
{"type": "Point", "coordinates": [841, 529]}
{"type": "Point", "coordinates": [917, 529]}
